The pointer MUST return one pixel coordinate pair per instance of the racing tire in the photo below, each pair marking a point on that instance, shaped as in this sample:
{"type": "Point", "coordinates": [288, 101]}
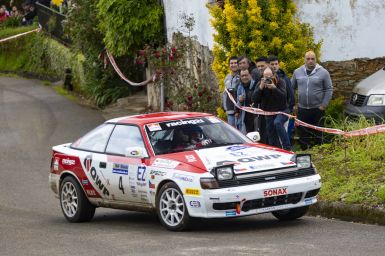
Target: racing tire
{"type": "Point", "coordinates": [171, 208]}
{"type": "Point", "coordinates": [73, 202]}
{"type": "Point", "coordinates": [291, 214]}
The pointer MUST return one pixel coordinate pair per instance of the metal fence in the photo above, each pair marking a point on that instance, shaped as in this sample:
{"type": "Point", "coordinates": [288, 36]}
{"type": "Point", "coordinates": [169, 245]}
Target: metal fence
{"type": "Point", "coordinates": [52, 22]}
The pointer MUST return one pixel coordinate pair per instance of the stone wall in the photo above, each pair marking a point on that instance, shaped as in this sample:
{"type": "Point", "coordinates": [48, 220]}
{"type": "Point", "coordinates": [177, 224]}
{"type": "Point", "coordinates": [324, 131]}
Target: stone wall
{"type": "Point", "coordinates": [346, 74]}
{"type": "Point", "coordinates": [200, 60]}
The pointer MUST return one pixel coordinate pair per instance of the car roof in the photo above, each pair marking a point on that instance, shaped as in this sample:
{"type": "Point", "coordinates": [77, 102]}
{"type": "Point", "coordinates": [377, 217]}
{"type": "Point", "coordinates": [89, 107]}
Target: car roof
{"type": "Point", "coordinates": [156, 117]}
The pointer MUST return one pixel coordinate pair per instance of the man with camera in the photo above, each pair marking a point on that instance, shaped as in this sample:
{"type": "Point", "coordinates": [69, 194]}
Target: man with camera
{"type": "Point", "coordinates": [232, 81]}
{"type": "Point", "coordinates": [272, 95]}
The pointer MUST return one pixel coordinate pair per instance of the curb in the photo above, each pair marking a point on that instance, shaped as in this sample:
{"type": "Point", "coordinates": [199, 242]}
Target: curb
{"type": "Point", "coordinates": [348, 212]}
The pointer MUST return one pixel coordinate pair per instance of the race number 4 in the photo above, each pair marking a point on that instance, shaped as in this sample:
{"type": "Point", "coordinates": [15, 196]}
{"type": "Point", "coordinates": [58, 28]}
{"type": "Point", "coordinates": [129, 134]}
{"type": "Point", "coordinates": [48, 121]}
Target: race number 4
{"type": "Point", "coordinates": [121, 184]}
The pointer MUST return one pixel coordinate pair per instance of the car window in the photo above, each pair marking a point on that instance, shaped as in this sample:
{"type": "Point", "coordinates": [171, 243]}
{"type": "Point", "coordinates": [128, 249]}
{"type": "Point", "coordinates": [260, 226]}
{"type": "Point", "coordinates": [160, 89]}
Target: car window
{"type": "Point", "coordinates": [122, 137]}
{"type": "Point", "coordinates": [190, 134]}
{"type": "Point", "coordinates": [95, 140]}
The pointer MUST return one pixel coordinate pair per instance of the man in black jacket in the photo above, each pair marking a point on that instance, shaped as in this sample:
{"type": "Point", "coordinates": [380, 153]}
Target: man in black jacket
{"type": "Point", "coordinates": [271, 94]}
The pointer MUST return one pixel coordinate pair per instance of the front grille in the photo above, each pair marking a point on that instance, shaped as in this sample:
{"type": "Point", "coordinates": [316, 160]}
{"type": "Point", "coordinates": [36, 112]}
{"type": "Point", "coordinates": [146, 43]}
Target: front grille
{"type": "Point", "coordinates": [261, 203]}
{"type": "Point", "coordinates": [357, 100]}
{"type": "Point", "coordinates": [263, 177]}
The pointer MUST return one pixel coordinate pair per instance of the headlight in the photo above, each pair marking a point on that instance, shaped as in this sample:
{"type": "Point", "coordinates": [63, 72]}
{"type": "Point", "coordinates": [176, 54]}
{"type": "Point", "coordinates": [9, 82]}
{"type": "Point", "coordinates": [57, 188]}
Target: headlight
{"type": "Point", "coordinates": [376, 100]}
{"type": "Point", "coordinates": [303, 161]}
{"type": "Point", "coordinates": [224, 172]}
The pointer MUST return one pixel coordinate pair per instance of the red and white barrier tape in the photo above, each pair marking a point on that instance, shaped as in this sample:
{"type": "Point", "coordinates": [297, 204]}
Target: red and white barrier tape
{"type": "Point", "coordinates": [19, 35]}
{"type": "Point", "coordinates": [361, 132]}
{"type": "Point", "coordinates": [119, 72]}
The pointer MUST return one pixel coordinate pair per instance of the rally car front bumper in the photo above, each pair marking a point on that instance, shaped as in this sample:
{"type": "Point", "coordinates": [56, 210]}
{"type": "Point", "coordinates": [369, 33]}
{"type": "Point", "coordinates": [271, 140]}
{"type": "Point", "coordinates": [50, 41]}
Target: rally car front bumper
{"type": "Point", "coordinates": [255, 199]}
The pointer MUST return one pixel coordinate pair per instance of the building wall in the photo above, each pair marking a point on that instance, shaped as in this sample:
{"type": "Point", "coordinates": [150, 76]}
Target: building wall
{"type": "Point", "coordinates": [349, 28]}
{"type": "Point", "coordinates": [202, 29]}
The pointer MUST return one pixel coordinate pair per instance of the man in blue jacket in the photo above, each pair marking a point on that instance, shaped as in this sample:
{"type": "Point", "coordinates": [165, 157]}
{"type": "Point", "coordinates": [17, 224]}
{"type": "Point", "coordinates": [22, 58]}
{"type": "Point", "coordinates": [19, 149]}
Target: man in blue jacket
{"type": "Point", "coordinates": [315, 91]}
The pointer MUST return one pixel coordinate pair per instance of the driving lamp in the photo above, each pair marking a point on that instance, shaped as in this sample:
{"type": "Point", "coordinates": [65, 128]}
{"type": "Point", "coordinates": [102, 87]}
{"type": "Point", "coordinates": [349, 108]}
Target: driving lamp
{"type": "Point", "coordinates": [303, 161]}
{"type": "Point", "coordinates": [376, 100]}
{"type": "Point", "coordinates": [224, 172]}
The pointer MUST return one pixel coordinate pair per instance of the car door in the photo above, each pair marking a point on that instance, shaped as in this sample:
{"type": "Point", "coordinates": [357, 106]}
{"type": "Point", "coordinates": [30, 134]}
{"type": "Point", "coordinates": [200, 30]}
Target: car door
{"type": "Point", "coordinates": [128, 176]}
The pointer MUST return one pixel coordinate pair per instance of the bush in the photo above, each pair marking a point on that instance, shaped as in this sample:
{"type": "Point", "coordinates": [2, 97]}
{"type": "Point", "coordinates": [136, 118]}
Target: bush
{"type": "Point", "coordinates": [42, 56]}
{"type": "Point", "coordinates": [259, 28]}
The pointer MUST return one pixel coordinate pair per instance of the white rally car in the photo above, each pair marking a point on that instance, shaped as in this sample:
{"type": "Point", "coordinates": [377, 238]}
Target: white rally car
{"type": "Point", "coordinates": [183, 166]}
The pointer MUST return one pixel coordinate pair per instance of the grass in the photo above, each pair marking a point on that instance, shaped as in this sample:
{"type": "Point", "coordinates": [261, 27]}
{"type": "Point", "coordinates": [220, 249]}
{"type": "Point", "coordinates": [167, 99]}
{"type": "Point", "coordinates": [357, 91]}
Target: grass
{"type": "Point", "coordinates": [60, 90]}
{"type": "Point", "coordinates": [352, 169]}
{"type": "Point", "coordinates": [7, 32]}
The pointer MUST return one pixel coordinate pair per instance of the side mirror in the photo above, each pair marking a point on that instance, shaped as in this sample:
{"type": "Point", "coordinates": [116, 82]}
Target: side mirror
{"type": "Point", "coordinates": [135, 152]}
{"type": "Point", "coordinates": [254, 136]}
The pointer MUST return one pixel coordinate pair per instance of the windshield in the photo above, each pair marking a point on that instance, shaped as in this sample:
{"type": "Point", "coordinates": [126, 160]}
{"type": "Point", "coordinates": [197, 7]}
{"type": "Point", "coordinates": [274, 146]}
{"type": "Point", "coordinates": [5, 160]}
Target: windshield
{"type": "Point", "coordinates": [191, 134]}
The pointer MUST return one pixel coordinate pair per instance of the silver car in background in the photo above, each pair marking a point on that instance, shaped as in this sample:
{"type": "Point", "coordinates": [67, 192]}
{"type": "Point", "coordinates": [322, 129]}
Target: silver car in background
{"type": "Point", "coordinates": [368, 98]}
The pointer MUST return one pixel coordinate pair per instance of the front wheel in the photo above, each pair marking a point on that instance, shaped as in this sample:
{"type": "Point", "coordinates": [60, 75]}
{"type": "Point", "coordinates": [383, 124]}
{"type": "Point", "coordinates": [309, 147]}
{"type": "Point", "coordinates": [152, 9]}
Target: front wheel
{"type": "Point", "coordinates": [291, 214]}
{"type": "Point", "coordinates": [171, 208]}
{"type": "Point", "coordinates": [73, 201]}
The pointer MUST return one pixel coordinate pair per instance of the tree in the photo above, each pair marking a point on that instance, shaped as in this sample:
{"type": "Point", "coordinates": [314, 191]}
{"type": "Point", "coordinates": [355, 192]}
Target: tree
{"type": "Point", "coordinates": [259, 28]}
{"type": "Point", "coordinates": [129, 24]}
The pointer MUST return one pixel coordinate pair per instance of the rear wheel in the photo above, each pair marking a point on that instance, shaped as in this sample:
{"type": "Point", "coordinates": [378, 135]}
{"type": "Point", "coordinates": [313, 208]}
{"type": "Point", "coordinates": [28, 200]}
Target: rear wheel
{"type": "Point", "coordinates": [171, 208]}
{"type": "Point", "coordinates": [74, 203]}
{"type": "Point", "coordinates": [291, 214]}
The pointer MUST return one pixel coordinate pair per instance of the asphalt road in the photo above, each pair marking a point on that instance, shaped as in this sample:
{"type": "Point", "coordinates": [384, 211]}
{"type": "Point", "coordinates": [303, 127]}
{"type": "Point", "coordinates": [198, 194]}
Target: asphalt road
{"type": "Point", "coordinates": [33, 118]}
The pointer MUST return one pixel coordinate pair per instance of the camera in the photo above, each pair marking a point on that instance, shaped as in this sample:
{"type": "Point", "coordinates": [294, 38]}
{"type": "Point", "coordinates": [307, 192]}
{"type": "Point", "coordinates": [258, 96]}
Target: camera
{"type": "Point", "coordinates": [268, 80]}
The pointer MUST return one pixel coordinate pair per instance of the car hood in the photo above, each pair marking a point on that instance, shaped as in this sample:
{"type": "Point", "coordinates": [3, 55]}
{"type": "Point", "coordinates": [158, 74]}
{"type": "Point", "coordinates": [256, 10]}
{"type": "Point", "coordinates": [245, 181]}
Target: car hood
{"type": "Point", "coordinates": [246, 158]}
{"type": "Point", "coordinates": [374, 84]}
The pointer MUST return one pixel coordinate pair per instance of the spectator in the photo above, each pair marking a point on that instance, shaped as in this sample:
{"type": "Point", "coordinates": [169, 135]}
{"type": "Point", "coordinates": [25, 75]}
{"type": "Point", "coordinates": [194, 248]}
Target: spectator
{"type": "Point", "coordinates": [5, 9]}
{"type": "Point", "coordinates": [232, 81]}
{"type": "Point", "coordinates": [15, 12]}
{"type": "Point", "coordinates": [272, 96]}
{"type": "Point", "coordinates": [245, 120]}
{"type": "Point", "coordinates": [245, 63]}
{"type": "Point", "coordinates": [315, 90]}
{"type": "Point", "coordinates": [260, 124]}
{"type": "Point", "coordinates": [3, 14]}
{"type": "Point", "coordinates": [274, 65]}
{"type": "Point", "coordinates": [29, 16]}
{"type": "Point", "coordinates": [262, 64]}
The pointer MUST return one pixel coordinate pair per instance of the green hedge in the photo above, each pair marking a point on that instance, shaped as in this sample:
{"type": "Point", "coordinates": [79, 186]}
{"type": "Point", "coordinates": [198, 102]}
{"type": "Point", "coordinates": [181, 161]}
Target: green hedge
{"type": "Point", "coordinates": [41, 56]}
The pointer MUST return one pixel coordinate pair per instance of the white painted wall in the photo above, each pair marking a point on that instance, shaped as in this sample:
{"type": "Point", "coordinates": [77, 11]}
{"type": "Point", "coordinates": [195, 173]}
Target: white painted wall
{"type": "Point", "coordinates": [202, 30]}
{"type": "Point", "coordinates": [349, 28]}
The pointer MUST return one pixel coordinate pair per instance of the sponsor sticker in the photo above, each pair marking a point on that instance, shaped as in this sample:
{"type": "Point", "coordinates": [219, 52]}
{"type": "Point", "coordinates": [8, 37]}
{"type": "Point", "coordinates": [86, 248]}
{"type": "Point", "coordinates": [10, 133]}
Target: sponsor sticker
{"type": "Point", "coordinates": [68, 161]}
{"type": "Point", "coordinates": [308, 201]}
{"type": "Point", "coordinates": [191, 158]}
{"type": "Point", "coordinates": [154, 127]}
{"type": "Point", "coordinates": [151, 185]}
{"type": "Point", "coordinates": [85, 182]}
{"type": "Point", "coordinates": [230, 213]}
{"type": "Point", "coordinates": [120, 169]}
{"type": "Point", "coordinates": [192, 192]}
{"type": "Point", "coordinates": [275, 192]}
{"type": "Point", "coordinates": [157, 173]}
{"type": "Point", "coordinates": [165, 163]}
{"type": "Point", "coordinates": [195, 204]}
{"type": "Point", "coordinates": [90, 192]}
{"type": "Point", "coordinates": [236, 147]}
{"type": "Point", "coordinates": [186, 178]}
{"type": "Point", "coordinates": [185, 122]}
